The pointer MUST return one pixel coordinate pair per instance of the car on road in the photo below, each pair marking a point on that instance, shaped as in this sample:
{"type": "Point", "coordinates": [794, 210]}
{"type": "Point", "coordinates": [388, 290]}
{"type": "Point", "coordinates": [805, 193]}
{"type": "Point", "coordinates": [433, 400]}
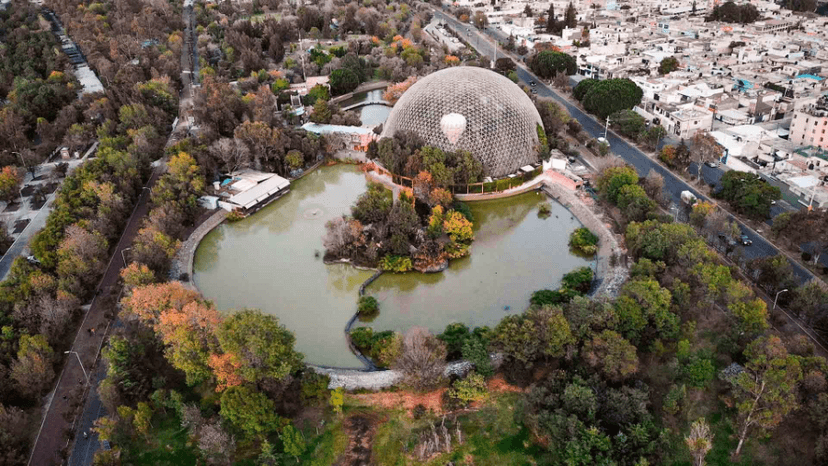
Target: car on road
{"type": "Point", "coordinates": [745, 240]}
{"type": "Point", "coordinates": [533, 83]}
{"type": "Point", "coordinates": [603, 140]}
{"type": "Point", "coordinates": [534, 91]}
{"type": "Point", "coordinates": [713, 164]}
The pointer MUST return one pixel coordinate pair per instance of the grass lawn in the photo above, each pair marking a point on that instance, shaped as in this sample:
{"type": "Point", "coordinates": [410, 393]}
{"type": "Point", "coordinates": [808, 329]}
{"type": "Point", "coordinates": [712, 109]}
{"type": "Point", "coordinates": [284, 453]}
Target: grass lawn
{"type": "Point", "coordinates": [327, 447]}
{"type": "Point", "coordinates": [168, 446]}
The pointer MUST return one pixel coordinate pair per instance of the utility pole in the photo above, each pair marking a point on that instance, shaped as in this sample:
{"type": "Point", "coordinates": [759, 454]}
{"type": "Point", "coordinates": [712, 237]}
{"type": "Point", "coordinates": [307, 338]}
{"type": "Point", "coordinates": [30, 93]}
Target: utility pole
{"type": "Point", "coordinates": [81, 364]}
{"type": "Point", "coordinates": [606, 127]}
{"type": "Point", "coordinates": [777, 297]}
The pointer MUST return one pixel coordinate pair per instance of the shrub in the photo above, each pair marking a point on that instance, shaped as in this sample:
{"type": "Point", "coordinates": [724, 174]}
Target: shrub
{"type": "Point", "coordinates": [579, 279]}
{"type": "Point", "coordinates": [382, 347]}
{"type": "Point", "coordinates": [673, 399]}
{"type": "Point", "coordinates": [472, 388]}
{"type": "Point", "coordinates": [544, 210]}
{"type": "Point", "coordinates": [583, 241]}
{"type": "Point", "coordinates": [314, 386]}
{"type": "Point", "coordinates": [551, 297]}
{"type": "Point", "coordinates": [474, 351]}
{"type": "Point", "coordinates": [367, 305]}
{"type": "Point", "coordinates": [396, 264]}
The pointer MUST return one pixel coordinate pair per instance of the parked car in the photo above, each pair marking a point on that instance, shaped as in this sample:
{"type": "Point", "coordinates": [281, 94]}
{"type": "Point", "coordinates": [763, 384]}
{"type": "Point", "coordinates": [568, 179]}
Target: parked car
{"type": "Point", "coordinates": [533, 83]}
{"type": "Point", "coordinates": [713, 164]}
{"type": "Point", "coordinates": [745, 240]}
{"type": "Point", "coordinates": [603, 140]}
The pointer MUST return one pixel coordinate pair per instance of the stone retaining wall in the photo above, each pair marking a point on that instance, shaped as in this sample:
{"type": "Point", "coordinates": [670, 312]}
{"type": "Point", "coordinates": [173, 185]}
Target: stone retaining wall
{"type": "Point", "coordinates": [610, 277]}
{"type": "Point", "coordinates": [183, 260]}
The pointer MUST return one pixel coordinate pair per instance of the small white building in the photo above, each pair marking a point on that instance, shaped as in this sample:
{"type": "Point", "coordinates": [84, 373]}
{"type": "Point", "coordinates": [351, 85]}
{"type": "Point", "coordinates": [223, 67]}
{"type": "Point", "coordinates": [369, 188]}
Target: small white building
{"type": "Point", "coordinates": [247, 190]}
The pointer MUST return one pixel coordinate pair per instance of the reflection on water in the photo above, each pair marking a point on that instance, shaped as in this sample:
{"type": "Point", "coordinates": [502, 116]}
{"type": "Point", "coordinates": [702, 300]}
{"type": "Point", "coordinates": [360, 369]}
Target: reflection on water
{"type": "Point", "coordinates": [373, 115]}
{"type": "Point", "coordinates": [267, 261]}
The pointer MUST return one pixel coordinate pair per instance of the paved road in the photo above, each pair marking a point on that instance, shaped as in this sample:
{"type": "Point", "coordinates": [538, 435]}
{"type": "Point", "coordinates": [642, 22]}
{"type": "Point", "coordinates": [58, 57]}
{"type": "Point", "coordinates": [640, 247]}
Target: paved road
{"type": "Point", "coordinates": [51, 438]}
{"type": "Point", "coordinates": [85, 447]}
{"type": "Point", "coordinates": [673, 186]}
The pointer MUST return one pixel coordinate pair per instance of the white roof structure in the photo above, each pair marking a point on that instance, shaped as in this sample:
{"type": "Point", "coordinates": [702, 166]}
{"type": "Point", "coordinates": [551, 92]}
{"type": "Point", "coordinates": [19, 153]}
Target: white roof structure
{"type": "Point", "coordinates": [88, 80]}
{"type": "Point", "coordinates": [804, 182]}
{"type": "Point", "coordinates": [260, 192]}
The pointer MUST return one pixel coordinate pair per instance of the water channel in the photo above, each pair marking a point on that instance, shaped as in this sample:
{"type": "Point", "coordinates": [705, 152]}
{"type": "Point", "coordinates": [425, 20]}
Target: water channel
{"type": "Point", "coordinates": [269, 261]}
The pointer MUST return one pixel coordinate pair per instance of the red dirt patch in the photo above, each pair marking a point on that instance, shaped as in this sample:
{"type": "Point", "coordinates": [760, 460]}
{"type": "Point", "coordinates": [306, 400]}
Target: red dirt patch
{"type": "Point", "coordinates": [431, 400]}
{"type": "Point", "coordinates": [404, 399]}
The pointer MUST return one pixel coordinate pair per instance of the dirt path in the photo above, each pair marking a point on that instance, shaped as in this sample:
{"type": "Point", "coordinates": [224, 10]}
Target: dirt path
{"type": "Point", "coordinates": [360, 429]}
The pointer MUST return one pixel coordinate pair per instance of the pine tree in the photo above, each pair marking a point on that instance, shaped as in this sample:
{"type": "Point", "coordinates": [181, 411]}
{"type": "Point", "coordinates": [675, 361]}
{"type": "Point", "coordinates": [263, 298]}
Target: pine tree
{"type": "Point", "coordinates": [571, 16]}
{"type": "Point", "coordinates": [550, 19]}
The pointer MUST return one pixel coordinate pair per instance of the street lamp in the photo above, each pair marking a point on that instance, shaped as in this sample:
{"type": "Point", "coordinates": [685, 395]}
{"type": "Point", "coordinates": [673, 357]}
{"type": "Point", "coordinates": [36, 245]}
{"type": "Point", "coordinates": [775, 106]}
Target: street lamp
{"type": "Point", "coordinates": [777, 297]}
{"type": "Point", "coordinates": [81, 364]}
{"type": "Point", "coordinates": [124, 257]}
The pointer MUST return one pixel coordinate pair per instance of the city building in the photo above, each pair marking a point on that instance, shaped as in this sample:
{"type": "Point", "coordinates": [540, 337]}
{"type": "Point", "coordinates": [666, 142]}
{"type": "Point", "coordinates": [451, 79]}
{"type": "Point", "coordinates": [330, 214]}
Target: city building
{"type": "Point", "coordinates": [810, 124]}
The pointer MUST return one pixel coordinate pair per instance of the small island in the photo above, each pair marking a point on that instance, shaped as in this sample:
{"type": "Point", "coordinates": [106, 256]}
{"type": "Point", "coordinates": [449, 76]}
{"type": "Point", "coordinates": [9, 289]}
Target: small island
{"type": "Point", "coordinates": [402, 235]}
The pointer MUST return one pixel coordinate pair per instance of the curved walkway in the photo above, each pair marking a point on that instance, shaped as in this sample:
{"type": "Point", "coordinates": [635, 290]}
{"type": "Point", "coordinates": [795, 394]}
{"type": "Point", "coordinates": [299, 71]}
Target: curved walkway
{"type": "Point", "coordinates": [182, 263]}
{"type": "Point", "coordinates": [610, 276]}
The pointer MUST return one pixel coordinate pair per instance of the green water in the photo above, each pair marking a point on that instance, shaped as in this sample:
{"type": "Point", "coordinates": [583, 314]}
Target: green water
{"type": "Point", "coordinates": [268, 262]}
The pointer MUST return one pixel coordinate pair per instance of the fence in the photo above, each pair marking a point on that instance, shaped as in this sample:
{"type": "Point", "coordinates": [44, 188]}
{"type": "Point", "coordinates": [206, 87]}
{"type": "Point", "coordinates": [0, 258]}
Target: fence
{"type": "Point", "coordinates": [495, 186]}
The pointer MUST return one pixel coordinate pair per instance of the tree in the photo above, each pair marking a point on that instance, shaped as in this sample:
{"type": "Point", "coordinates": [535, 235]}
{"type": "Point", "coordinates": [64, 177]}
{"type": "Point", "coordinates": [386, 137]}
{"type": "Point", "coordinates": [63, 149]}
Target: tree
{"type": "Point", "coordinates": [603, 98]}
{"type": "Point", "coordinates": [551, 23]}
{"type": "Point", "coordinates": [422, 360]}
{"type": "Point", "coordinates": [612, 179]}
{"type": "Point", "coordinates": [537, 333]}
{"type": "Point", "coordinates": [148, 302]}
{"type": "Point", "coordinates": [10, 181]}
{"type": "Point", "coordinates": [654, 185]}
{"type": "Point", "coordinates": [612, 354]}
{"type": "Point", "coordinates": [808, 230]}
{"type": "Point", "coordinates": [294, 441]}
{"type": "Point", "coordinates": [546, 63]}
{"type": "Point", "coordinates": [765, 392]}
{"type": "Point", "coordinates": [527, 11]}
{"type": "Point", "coordinates": [33, 368]}
{"type": "Point", "coordinates": [321, 112]}
{"type": "Point", "coordinates": [700, 440]}
{"type": "Point", "coordinates": [251, 412]}
{"type": "Point", "coordinates": [343, 81]}
{"type": "Point", "coordinates": [729, 12]}
{"type": "Point", "coordinates": [628, 123]}
{"type": "Point", "coordinates": [706, 149]}
{"type": "Point", "coordinates": [262, 344]}
{"type": "Point", "coordinates": [752, 315]}
{"type": "Point", "coordinates": [773, 273]}
{"type": "Point", "coordinates": [652, 136]}
{"type": "Point", "coordinates": [668, 65]}
{"type": "Point", "coordinates": [81, 259]}
{"type": "Point", "coordinates": [642, 304]}
{"type": "Point", "coordinates": [189, 335]}
{"type": "Point", "coordinates": [181, 185]}
{"type": "Point", "coordinates": [570, 16]}
{"type": "Point", "coordinates": [634, 203]}
{"type": "Point", "coordinates": [748, 194]}
{"type": "Point", "coordinates": [504, 65]}
{"type": "Point", "coordinates": [374, 205]}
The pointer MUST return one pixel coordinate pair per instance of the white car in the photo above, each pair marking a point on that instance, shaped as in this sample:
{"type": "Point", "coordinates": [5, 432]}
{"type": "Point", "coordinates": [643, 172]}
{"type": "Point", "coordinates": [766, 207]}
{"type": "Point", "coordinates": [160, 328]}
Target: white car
{"type": "Point", "coordinates": [603, 140]}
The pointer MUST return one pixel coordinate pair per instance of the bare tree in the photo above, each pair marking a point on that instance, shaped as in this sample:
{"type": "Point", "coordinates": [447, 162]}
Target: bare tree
{"type": "Point", "coordinates": [232, 152]}
{"type": "Point", "coordinates": [423, 359]}
{"type": "Point", "coordinates": [216, 444]}
{"type": "Point", "coordinates": [654, 186]}
{"type": "Point", "coordinates": [699, 441]}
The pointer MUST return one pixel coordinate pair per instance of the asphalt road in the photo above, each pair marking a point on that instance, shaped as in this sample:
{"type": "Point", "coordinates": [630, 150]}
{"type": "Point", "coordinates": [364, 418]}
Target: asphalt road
{"type": "Point", "coordinates": [673, 186]}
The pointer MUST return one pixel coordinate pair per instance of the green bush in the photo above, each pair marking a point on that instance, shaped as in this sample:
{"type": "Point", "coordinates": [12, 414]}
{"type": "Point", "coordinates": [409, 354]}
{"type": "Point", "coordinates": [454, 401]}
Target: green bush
{"type": "Point", "coordinates": [472, 388]}
{"type": "Point", "coordinates": [544, 210]}
{"type": "Point", "coordinates": [314, 386]}
{"type": "Point", "coordinates": [475, 352]}
{"type": "Point", "coordinates": [673, 399]}
{"type": "Point", "coordinates": [396, 264]}
{"type": "Point", "coordinates": [367, 305]}
{"type": "Point", "coordinates": [583, 241]}
{"type": "Point", "coordinates": [551, 297]}
{"type": "Point", "coordinates": [382, 347]}
{"type": "Point", "coordinates": [579, 279]}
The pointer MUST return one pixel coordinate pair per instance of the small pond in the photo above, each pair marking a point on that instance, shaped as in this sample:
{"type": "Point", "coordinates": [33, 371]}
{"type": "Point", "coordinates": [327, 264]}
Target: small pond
{"type": "Point", "coordinates": [370, 114]}
{"type": "Point", "coordinates": [269, 261]}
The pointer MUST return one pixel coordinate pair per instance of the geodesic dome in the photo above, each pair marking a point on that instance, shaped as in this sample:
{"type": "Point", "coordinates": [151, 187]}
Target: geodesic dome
{"type": "Point", "coordinates": [484, 112]}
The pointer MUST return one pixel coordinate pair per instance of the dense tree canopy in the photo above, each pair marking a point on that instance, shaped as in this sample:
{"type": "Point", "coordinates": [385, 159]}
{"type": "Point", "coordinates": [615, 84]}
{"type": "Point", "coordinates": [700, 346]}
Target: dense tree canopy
{"type": "Point", "coordinates": [608, 96]}
{"type": "Point", "coordinates": [547, 63]}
